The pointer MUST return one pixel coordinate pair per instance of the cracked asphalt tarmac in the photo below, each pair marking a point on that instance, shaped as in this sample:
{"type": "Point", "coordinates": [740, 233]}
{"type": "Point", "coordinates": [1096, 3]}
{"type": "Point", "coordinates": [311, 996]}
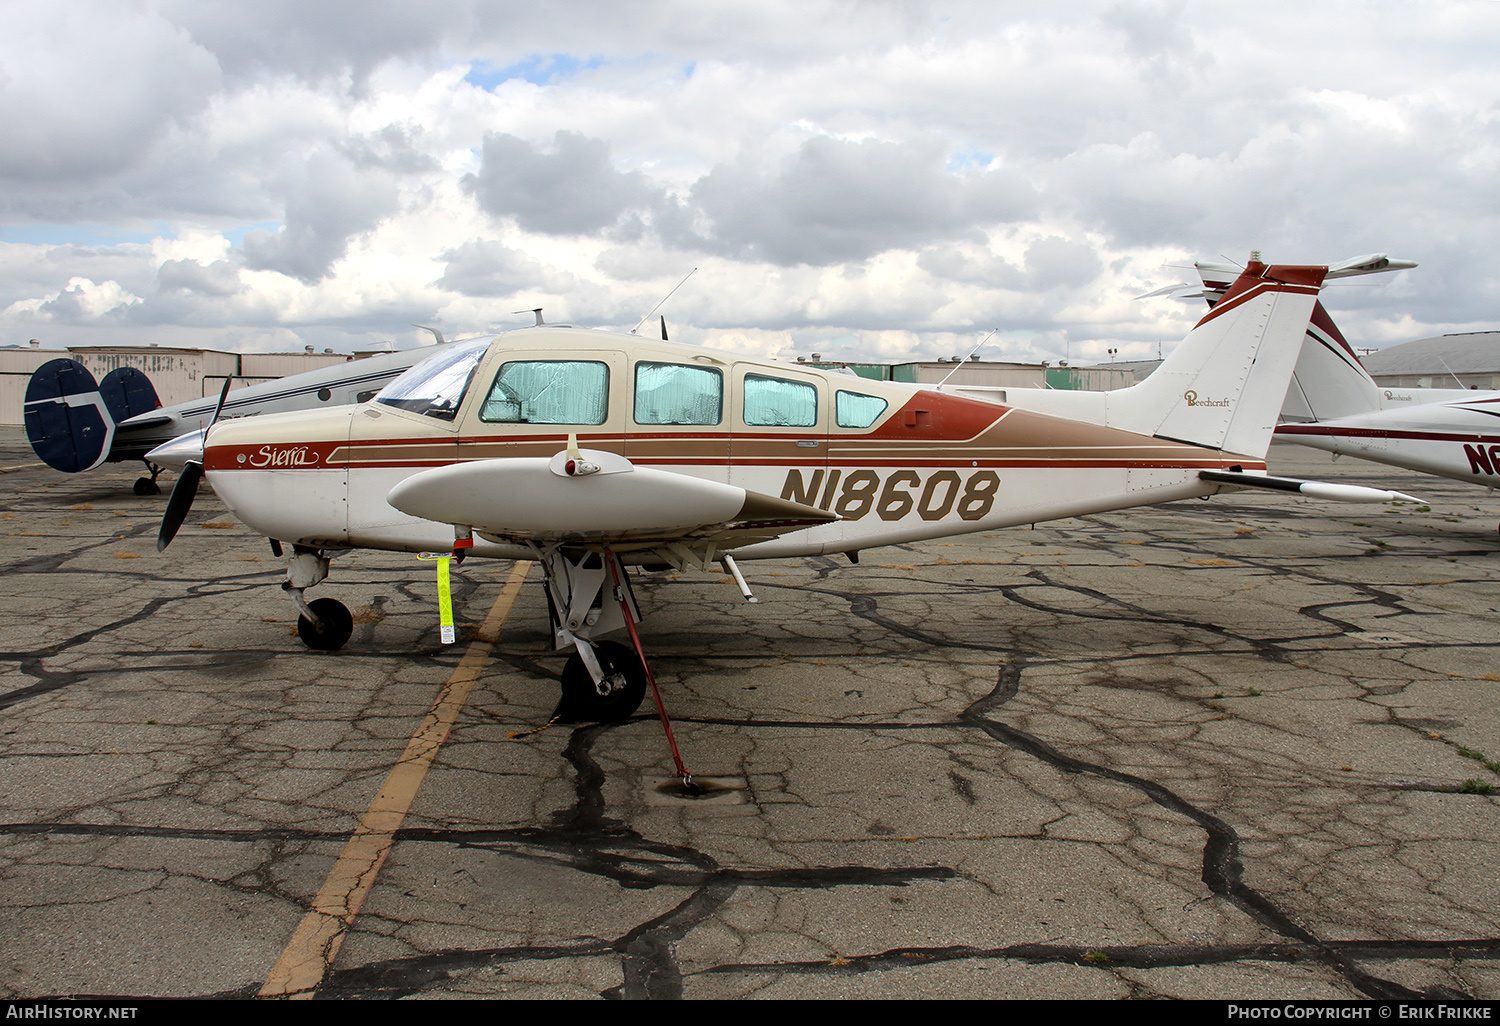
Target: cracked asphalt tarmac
{"type": "Point", "coordinates": [1233, 749]}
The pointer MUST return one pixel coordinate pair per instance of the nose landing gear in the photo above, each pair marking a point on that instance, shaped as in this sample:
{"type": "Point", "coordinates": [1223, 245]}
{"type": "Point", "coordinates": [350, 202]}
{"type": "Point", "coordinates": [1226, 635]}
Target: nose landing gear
{"type": "Point", "coordinates": [325, 624]}
{"type": "Point", "coordinates": [330, 628]}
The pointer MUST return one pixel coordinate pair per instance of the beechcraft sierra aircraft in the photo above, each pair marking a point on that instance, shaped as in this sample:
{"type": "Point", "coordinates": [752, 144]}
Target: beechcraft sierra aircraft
{"type": "Point", "coordinates": [592, 452]}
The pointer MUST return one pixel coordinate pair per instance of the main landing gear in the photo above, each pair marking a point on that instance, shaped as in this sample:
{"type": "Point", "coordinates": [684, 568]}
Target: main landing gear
{"type": "Point", "coordinates": [614, 697]}
{"type": "Point", "coordinates": [147, 485]}
{"type": "Point", "coordinates": [588, 594]}
{"type": "Point", "coordinates": [602, 681]}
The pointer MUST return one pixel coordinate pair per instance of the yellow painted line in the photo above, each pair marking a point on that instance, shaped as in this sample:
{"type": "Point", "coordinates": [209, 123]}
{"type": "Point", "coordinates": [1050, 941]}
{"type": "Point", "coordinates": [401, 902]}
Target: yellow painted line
{"type": "Point", "coordinates": [316, 940]}
{"type": "Point", "coordinates": [19, 466]}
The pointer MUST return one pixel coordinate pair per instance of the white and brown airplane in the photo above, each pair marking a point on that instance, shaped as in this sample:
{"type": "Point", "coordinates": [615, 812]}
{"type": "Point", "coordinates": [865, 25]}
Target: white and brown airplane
{"type": "Point", "coordinates": [592, 452]}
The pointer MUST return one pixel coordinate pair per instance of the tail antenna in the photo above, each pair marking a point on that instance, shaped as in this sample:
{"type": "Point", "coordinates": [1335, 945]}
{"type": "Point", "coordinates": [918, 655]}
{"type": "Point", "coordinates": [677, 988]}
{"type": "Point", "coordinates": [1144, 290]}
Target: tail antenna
{"type": "Point", "coordinates": [966, 359]}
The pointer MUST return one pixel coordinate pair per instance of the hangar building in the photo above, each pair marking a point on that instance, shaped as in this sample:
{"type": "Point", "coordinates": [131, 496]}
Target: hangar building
{"type": "Point", "coordinates": [1473, 358]}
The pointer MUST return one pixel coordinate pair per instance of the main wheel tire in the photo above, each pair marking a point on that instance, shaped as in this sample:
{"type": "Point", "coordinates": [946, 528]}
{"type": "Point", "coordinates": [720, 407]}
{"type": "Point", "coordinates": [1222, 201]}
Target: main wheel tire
{"type": "Point", "coordinates": [333, 629]}
{"type": "Point", "coordinates": [581, 701]}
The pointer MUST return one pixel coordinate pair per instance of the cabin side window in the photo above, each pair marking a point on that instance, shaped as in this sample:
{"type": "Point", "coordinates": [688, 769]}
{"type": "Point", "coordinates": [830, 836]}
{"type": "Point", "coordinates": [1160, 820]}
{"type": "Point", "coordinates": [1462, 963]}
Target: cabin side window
{"type": "Point", "coordinates": [674, 393]}
{"type": "Point", "coordinates": [776, 402]}
{"type": "Point", "coordinates": [856, 410]}
{"type": "Point", "coordinates": [548, 392]}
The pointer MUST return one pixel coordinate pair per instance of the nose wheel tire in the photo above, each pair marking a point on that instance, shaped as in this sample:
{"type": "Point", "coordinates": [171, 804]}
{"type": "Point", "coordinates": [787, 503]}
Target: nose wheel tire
{"type": "Point", "coordinates": [333, 629]}
{"type": "Point", "coordinates": [624, 679]}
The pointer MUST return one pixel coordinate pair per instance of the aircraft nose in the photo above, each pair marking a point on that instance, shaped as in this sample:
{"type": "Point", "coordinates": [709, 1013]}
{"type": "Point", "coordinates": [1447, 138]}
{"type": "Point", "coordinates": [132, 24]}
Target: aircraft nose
{"type": "Point", "coordinates": [177, 453]}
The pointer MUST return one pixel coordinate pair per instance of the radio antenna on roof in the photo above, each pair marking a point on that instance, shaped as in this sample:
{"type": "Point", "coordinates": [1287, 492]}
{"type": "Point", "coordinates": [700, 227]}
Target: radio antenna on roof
{"type": "Point", "coordinates": [658, 306]}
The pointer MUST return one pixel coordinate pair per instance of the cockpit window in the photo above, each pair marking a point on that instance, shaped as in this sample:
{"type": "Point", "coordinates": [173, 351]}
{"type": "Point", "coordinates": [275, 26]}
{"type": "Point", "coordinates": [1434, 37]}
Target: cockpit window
{"type": "Point", "coordinates": [436, 385]}
{"type": "Point", "coordinates": [548, 392]}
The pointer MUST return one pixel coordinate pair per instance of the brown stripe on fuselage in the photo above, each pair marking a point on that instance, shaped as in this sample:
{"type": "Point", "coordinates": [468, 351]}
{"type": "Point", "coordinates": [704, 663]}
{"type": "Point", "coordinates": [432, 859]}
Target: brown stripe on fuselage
{"type": "Point", "coordinates": [1022, 438]}
{"type": "Point", "coordinates": [1161, 454]}
{"type": "Point", "coordinates": [387, 454]}
{"type": "Point", "coordinates": [496, 448]}
{"type": "Point", "coordinates": [930, 430]}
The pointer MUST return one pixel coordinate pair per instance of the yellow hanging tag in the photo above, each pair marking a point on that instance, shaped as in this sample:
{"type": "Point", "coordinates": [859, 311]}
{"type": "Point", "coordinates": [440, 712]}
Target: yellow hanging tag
{"type": "Point", "coordinates": [445, 596]}
{"type": "Point", "coordinates": [445, 601]}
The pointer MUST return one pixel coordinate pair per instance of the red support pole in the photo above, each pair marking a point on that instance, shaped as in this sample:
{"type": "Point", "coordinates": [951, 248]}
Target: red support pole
{"type": "Point", "coordinates": [635, 638]}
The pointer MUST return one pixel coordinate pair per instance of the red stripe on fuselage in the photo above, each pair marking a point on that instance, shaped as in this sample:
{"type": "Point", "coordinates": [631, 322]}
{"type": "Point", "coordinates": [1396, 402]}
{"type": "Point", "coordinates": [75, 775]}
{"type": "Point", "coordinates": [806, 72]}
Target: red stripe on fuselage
{"type": "Point", "coordinates": [1431, 436]}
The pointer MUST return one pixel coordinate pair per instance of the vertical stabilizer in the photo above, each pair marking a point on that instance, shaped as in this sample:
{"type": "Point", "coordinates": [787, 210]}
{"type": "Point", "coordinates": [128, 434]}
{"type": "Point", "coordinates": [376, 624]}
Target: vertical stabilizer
{"type": "Point", "coordinates": [1223, 386]}
{"type": "Point", "coordinates": [68, 423]}
{"type": "Point", "coordinates": [1329, 381]}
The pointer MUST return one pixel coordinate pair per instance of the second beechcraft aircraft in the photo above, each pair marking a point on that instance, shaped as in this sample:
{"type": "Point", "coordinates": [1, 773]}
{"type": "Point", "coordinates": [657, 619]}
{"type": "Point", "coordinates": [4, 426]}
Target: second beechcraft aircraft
{"type": "Point", "coordinates": [592, 452]}
{"type": "Point", "coordinates": [76, 424]}
{"type": "Point", "coordinates": [1334, 405]}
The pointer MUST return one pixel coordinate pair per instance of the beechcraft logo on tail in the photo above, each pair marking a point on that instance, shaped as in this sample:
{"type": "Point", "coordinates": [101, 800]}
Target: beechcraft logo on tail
{"type": "Point", "coordinates": [1193, 400]}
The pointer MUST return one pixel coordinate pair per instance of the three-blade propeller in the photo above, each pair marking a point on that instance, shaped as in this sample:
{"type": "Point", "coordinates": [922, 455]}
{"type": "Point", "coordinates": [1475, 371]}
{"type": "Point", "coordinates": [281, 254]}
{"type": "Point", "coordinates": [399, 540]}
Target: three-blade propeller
{"type": "Point", "coordinates": [186, 489]}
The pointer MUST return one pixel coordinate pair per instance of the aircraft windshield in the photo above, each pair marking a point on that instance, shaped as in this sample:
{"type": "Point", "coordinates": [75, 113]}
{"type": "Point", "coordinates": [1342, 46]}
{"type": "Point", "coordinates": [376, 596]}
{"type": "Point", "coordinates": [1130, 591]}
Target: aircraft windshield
{"type": "Point", "coordinates": [436, 385]}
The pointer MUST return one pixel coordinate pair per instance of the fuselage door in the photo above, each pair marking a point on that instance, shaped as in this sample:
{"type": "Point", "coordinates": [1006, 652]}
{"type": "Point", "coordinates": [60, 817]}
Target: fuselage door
{"type": "Point", "coordinates": [780, 420]}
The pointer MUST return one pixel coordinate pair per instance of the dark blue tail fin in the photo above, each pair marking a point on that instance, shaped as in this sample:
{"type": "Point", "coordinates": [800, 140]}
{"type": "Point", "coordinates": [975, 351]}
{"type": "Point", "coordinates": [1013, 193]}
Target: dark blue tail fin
{"type": "Point", "coordinates": [70, 418]}
{"type": "Point", "coordinates": [127, 393]}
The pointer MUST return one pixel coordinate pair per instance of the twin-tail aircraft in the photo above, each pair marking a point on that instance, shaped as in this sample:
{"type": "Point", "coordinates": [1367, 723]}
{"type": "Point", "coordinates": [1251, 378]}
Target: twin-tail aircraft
{"type": "Point", "coordinates": [593, 452]}
{"type": "Point", "coordinates": [76, 424]}
{"type": "Point", "coordinates": [1334, 405]}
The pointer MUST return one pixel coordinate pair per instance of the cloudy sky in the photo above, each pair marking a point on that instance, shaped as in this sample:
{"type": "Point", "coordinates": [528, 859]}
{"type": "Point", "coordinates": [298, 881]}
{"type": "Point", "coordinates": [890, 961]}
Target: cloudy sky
{"type": "Point", "coordinates": [867, 180]}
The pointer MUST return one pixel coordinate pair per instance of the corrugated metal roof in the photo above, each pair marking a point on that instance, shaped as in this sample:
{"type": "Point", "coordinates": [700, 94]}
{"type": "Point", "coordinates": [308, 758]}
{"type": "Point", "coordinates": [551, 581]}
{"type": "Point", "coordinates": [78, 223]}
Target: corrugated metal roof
{"type": "Point", "coordinates": [1475, 352]}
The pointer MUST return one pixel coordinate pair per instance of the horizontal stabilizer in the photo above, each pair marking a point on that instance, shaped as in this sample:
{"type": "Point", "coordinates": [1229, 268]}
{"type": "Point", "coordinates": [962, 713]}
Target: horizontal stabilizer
{"type": "Point", "coordinates": [71, 420]}
{"type": "Point", "coordinates": [147, 420]}
{"type": "Point", "coordinates": [1312, 489]}
{"type": "Point", "coordinates": [1329, 381]}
